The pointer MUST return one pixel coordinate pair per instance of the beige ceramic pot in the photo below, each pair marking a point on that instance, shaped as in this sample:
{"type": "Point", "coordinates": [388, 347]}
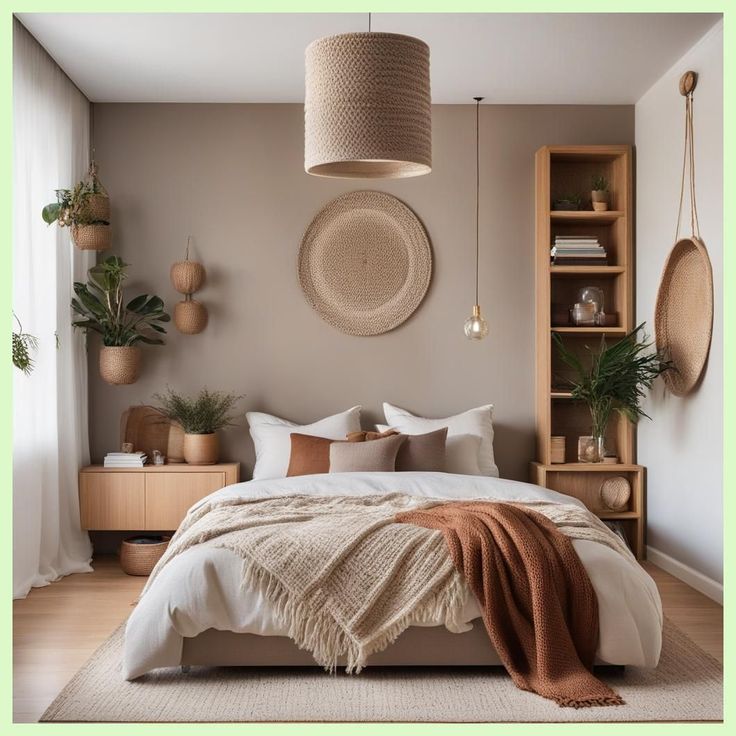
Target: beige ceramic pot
{"type": "Point", "coordinates": [599, 199]}
{"type": "Point", "coordinates": [120, 366]}
{"type": "Point", "coordinates": [201, 449]}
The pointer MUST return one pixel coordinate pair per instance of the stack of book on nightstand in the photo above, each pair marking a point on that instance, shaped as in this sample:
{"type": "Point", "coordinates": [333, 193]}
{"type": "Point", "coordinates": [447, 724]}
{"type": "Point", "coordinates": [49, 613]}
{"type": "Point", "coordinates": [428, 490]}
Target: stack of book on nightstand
{"type": "Point", "coordinates": [125, 459]}
{"type": "Point", "coordinates": [578, 250]}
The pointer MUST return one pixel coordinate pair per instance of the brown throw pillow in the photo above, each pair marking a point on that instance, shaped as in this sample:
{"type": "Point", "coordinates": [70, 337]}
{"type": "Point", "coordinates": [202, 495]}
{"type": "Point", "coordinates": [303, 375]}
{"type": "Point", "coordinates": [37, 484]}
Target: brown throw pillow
{"type": "Point", "coordinates": [423, 452]}
{"type": "Point", "coordinates": [375, 456]}
{"type": "Point", "coordinates": [309, 455]}
{"type": "Point", "coordinates": [368, 436]}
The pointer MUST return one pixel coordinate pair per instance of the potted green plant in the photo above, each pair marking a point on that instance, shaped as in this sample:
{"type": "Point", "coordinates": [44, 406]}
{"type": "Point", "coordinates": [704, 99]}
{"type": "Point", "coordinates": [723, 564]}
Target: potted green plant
{"type": "Point", "coordinates": [86, 210]}
{"type": "Point", "coordinates": [122, 326]}
{"type": "Point", "coordinates": [613, 379]}
{"type": "Point", "coordinates": [567, 202]}
{"type": "Point", "coordinates": [200, 417]}
{"type": "Point", "coordinates": [599, 193]}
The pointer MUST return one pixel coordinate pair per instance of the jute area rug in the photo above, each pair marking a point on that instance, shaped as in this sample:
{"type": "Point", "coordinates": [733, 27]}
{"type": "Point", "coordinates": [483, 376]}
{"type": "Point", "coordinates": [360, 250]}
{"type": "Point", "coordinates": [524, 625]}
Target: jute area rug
{"type": "Point", "coordinates": [687, 686]}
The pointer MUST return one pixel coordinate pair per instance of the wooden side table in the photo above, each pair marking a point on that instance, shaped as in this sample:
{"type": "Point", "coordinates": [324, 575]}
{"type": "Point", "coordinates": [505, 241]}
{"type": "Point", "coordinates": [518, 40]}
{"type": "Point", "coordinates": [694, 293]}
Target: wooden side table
{"type": "Point", "coordinates": [151, 498]}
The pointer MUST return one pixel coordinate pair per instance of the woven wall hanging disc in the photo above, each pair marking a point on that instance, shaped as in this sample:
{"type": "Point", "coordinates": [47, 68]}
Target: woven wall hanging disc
{"type": "Point", "coordinates": [365, 263]}
{"type": "Point", "coordinates": [367, 107]}
{"type": "Point", "coordinates": [683, 315]}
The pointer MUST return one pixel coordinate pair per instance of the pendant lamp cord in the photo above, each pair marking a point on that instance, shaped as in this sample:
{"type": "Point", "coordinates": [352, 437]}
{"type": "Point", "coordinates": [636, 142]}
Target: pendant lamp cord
{"type": "Point", "coordinates": [688, 162]}
{"type": "Point", "coordinates": [477, 193]}
{"type": "Point", "coordinates": [369, 22]}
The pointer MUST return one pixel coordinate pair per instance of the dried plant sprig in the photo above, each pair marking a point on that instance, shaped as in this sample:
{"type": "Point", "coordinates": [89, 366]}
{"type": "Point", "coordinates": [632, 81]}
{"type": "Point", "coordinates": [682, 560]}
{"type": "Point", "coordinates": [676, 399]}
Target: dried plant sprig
{"type": "Point", "coordinates": [204, 413]}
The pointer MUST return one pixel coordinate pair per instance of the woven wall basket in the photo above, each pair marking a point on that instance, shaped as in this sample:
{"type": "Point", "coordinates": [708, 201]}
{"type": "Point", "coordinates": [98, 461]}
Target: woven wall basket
{"type": "Point", "coordinates": [683, 317]}
{"type": "Point", "coordinates": [92, 237]}
{"type": "Point", "coordinates": [367, 107]}
{"type": "Point", "coordinates": [190, 317]}
{"type": "Point", "coordinates": [187, 276]}
{"type": "Point", "coordinates": [365, 263]}
{"type": "Point", "coordinates": [120, 366]}
{"type": "Point", "coordinates": [98, 207]}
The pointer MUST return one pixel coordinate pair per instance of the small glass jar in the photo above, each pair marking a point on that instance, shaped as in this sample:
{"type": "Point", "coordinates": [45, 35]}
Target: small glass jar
{"type": "Point", "coordinates": [583, 314]}
{"type": "Point", "coordinates": [158, 457]}
{"type": "Point", "coordinates": [591, 449]}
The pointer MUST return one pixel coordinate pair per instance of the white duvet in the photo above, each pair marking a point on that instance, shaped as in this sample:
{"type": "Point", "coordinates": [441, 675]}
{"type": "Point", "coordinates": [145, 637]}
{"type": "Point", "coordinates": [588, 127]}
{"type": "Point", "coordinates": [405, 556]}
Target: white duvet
{"type": "Point", "coordinates": [201, 588]}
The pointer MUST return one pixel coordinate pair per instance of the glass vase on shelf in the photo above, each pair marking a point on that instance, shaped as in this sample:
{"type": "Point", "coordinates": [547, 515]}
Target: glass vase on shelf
{"type": "Point", "coordinates": [591, 449]}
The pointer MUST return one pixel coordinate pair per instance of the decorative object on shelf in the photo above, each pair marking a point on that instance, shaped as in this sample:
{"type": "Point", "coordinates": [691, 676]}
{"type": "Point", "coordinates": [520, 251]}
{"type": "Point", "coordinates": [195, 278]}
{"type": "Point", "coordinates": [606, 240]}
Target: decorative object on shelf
{"type": "Point", "coordinates": [613, 379]}
{"type": "Point", "coordinates": [23, 345]}
{"type": "Point", "coordinates": [599, 195]}
{"type": "Point", "coordinates": [158, 458]}
{"type": "Point", "coordinates": [121, 326]}
{"type": "Point", "coordinates": [144, 427]}
{"type": "Point", "coordinates": [139, 555]}
{"type": "Point", "coordinates": [609, 459]}
{"type": "Point", "coordinates": [683, 316]}
{"type": "Point", "coordinates": [578, 250]}
{"type": "Point", "coordinates": [593, 295]}
{"type": "Point", "coordinates": [557, 448]}
{"type": "Point", "coordinates": [86, 210]}
{"type": "Point", "coordinates": [365, 263]}
{"type": "Point", "coordinates": [367, 106]}
{"type": "Point", "coordinates": [187, 277]}
{"type": "Point", "coordinates": [615, 493]}
{"type": "Point", "coordinates": [608, 319]}
{"type": "Point", "coordinates": [567, 203]}
{"type": "Point", "coordinates": [125, 459]}
{"type": "Point", "coordinates": [476, 327]}
{"type": "Point", "coordinates": [127, 447]}
{"type": "Point", "coordinates": [582, 314]}
{"type": "Point", "coordinates": [200, 417]}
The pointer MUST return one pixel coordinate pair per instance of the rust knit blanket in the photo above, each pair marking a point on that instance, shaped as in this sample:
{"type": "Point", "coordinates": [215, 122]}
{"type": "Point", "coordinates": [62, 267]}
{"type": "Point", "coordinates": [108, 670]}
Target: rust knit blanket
{"type": "Point", "coordinates": [538, 604]}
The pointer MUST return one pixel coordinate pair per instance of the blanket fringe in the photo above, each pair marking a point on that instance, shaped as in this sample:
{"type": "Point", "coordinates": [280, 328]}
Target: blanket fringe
{"type": "Point", "coordinates": [319, 633]}
{"type": "Point", "coordinates": [592, 702]}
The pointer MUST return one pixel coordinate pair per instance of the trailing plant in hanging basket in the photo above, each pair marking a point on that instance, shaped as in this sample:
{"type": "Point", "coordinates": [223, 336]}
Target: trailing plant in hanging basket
{"type": "Point", "coordinates": [86, 210]}
{"type": "Point", "coordinates": [122, 326]}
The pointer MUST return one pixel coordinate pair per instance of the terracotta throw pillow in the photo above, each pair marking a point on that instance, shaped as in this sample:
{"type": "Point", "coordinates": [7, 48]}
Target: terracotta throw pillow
{"type": "Point", "coordinates": [377, 456]}
{"type": "Point", "coordinates": [309, 455]}
{"type": "Point", "coordinates": [419, 452]}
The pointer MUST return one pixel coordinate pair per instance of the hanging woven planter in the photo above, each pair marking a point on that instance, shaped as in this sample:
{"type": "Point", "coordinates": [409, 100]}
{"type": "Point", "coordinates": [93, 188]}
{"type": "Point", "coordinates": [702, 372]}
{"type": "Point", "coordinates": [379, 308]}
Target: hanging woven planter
{"type": "Point", "coordinates": [92, 237]}
{"type": "Point", "coordinates": [120, 366]}
{"type": "Point", "coordinates": [187, 276]}
{"type": "Point", "coordinates": [190, 317]}
{"type": "Point", "coordinates": [98, 207]}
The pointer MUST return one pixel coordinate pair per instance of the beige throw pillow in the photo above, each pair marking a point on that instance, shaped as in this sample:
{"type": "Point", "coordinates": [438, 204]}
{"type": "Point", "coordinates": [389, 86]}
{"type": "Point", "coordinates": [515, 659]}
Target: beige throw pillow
{"type": "Point", "coordinates": [374, 456]}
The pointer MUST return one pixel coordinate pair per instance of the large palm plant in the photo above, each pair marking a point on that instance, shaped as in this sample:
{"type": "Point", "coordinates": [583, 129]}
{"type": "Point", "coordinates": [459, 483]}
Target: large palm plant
{"type": "Point", "coordinates": [100, 305]}
{"type": "Point", "coordinates": [616, 377]}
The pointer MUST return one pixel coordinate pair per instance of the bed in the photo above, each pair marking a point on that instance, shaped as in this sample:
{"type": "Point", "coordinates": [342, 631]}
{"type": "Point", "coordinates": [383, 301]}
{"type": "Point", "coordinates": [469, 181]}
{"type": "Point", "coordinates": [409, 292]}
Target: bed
{"type": "Point", "coordinates": [197, 611]}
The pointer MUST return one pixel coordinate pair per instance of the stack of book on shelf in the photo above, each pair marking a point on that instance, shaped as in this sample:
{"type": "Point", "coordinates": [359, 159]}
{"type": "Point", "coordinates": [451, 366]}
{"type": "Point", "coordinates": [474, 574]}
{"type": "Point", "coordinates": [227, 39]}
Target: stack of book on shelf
{"type": "Point", "coordinates": [125, 459]}
{"type": "Point", "coordinates": [578, 250]}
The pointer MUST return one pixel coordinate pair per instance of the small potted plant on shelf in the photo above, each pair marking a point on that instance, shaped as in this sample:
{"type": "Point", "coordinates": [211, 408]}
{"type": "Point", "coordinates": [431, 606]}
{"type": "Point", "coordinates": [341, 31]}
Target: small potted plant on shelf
{"type": "Point", "coordinates": [567, 202]}
{"type": "Point", "coordinates": [122, 326]}
{"type": "Point", "coordinates": [613, 379]}
{"type": "Point", "coordinates": [86, 210]}
{"type": "Point", "coordinates": [599, 194]}
{"type": "Point", "coordinates": [200, 417]}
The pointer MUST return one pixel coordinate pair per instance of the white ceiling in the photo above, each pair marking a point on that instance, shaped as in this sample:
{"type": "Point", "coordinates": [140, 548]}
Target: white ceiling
{"type": "Point", "coordinates": [510, 58]}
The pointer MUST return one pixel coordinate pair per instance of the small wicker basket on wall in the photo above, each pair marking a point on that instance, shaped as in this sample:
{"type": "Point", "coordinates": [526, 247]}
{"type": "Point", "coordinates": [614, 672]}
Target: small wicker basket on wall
{"type": "Point", "coordinates": [140, 559]}
{"type": "Point", "coordinates": [120, 366]}
{"type": "Point", "coordinates": [187, 277]}
{"type": "Point", "coordinates": [92, 237]}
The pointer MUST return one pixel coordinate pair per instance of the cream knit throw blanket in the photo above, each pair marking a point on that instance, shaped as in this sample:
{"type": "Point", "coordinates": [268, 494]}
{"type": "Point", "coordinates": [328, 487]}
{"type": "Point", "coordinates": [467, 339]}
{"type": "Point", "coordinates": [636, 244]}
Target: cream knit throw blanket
{"type": "Point", "coordinates": [343, 576]}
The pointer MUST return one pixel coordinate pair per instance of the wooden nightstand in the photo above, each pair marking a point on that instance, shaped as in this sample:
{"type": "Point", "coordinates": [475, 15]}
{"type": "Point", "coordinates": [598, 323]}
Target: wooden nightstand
{"type": "Point", "coordinates": [153, 498]}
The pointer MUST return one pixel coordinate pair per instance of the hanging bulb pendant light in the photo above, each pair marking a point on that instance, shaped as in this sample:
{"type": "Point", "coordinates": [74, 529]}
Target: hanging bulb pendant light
{"type": "Point", "coordinates": [367, 107]}
{"type": "Point", "coordinates": [476, 328]}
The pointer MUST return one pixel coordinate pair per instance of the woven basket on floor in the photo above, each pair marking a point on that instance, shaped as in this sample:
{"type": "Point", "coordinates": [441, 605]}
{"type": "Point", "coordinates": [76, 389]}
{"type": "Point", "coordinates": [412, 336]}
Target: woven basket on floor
{"type": "Point", "coordinates": [92, 237]}
{"type": "Point", "coordinates": [120, 366]}
{"type": "Point", "coordinates": [683, 316]}
{"type": "Point", "coordinates": [187, 276]}
{"type": "Point", "coordinates": [190, 317]}
{"type": "Point", "coordinates": [140, 559]}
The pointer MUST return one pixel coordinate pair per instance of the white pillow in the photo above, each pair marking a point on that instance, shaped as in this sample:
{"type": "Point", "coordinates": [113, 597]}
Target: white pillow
{"type": "Point", "coordinates": [272, 437]}
{"type": "Point", "coordinates": [469, 437]}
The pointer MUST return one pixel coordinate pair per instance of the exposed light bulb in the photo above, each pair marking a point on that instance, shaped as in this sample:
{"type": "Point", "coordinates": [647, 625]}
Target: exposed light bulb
{"type": "Point", "coordinates": [476, 328]}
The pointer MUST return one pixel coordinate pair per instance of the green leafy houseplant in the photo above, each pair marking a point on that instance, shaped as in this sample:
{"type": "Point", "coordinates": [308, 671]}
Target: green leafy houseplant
{"type": "Point", "coordinates": [567, 202]}
{"type": "Point", "coordinates": [616, 377]}
{"type": "Point", "coordinates": [200, 416]}
{"type": "Point", "coordinates": [72, 206]}
{"type": "Point", "coordinates": [23, 345]}
{"type": "Point", "coordinates": [101, 306]}
{"type": "Point", "coordinates": [599, 184]}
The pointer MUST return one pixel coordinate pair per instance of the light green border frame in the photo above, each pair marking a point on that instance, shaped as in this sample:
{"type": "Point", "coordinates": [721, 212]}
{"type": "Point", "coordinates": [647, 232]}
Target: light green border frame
{"type": "Point", "coordinates": [728, 7]}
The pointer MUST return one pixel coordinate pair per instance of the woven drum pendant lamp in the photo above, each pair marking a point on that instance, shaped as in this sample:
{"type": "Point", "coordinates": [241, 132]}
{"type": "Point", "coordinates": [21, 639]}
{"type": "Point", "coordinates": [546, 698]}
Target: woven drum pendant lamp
{"type": "Point", "coordinates": [367, 107]}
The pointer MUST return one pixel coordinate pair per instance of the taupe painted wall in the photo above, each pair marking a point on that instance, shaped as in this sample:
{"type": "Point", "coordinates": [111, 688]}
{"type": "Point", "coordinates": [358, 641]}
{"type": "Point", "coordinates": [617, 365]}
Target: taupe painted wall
{"type": "Point", "coordinates": [232, 176]}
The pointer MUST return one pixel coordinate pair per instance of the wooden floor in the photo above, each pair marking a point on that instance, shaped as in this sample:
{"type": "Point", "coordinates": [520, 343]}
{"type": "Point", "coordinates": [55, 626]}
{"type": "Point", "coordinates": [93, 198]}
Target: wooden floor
{"type": "Point", "coordinates": [57, 628]}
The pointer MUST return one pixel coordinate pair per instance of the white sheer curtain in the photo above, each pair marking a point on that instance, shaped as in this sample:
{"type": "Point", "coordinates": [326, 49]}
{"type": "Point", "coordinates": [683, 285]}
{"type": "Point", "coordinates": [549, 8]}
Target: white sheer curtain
{"type": "Point", "coordinates": [50, 440]}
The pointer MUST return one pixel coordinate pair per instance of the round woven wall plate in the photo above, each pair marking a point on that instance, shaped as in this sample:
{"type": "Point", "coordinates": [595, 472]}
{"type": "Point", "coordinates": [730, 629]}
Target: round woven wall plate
{"type": "Point", "coordinates": [365, 263]}
{"type": "Point", "coordinates": [683, 317]}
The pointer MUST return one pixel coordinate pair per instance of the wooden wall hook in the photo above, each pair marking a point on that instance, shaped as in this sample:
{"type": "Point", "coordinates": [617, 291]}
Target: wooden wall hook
{"type": "Point", "coordinates": [688, 82]}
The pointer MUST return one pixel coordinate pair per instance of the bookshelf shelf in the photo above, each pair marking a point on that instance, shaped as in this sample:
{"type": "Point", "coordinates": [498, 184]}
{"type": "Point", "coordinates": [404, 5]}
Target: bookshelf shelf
{"type": "Point", "coordinates": [560, 170]}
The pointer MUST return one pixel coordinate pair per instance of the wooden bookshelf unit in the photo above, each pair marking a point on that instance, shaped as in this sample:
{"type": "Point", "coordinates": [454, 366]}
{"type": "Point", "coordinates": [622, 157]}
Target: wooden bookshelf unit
{"type": "Point", "coordinates": [561, 170]}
